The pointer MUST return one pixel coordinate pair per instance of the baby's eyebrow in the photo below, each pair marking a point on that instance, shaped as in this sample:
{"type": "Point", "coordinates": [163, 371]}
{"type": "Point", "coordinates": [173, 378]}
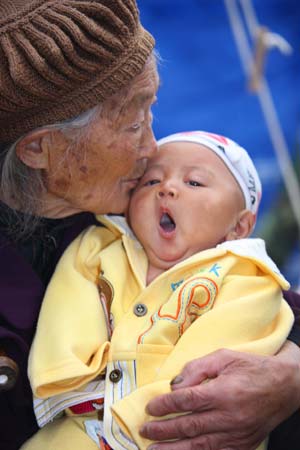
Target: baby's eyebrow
{"type": "Point", "coordinates": [206, 170]}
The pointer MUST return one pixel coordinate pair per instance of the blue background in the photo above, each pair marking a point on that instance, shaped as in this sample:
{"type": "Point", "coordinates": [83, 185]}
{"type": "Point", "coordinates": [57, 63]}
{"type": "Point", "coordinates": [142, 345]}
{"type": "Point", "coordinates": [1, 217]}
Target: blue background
{"type": "Point", "coordinates": [204, 85]}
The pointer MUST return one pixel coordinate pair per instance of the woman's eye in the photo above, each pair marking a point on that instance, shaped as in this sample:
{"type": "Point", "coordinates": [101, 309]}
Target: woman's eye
{"type": "Point", "coordinates": [135, 127]}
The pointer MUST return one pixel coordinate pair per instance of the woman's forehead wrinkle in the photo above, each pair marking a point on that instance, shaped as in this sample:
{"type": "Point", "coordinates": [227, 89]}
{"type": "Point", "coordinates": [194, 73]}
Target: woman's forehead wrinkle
{"type": "Point", "coordinates": [117, 107]}
{"type": "Point", "coordinates": [114, 107]}
{"type": "Point", "coordinates": [143, 97]}
{"type": "Point", "coordinates": [136, 102]}
{"type": "Point", "coordinates": [139, 93]}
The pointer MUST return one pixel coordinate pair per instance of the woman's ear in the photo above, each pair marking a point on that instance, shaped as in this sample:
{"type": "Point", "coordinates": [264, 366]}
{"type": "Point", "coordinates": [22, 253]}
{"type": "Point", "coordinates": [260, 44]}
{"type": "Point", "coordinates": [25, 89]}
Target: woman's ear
{"type": "Point", "coordinates": [32, 150]}
{"type": "Point", "coordinates": [243, 227]}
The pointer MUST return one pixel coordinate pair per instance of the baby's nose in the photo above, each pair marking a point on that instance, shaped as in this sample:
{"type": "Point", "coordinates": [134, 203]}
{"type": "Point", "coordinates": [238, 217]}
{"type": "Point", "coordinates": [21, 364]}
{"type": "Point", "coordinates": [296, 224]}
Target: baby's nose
{"type": "Point", "coordinates": [166, 191]}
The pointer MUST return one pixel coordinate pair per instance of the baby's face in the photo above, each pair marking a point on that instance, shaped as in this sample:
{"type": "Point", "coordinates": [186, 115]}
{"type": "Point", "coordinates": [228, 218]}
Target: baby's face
{"type": "Point", "coordinates": [186, 201]}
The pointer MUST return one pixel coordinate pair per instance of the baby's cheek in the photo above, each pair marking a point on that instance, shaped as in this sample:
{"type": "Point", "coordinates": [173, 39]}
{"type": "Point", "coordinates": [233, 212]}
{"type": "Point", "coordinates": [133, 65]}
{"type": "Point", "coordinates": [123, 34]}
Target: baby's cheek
{"type": "Point", "coordinates": [135, 215]}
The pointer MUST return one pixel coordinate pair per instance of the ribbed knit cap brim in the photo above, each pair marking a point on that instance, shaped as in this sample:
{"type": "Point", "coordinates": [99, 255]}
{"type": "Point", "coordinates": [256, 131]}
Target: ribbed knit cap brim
{"type": "Point", "coordinates": [60, 58]}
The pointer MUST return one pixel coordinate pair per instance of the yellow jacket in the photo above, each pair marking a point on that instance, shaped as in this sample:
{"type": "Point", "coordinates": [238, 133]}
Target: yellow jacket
{"type": "Point", "coordinates": [229, 296]}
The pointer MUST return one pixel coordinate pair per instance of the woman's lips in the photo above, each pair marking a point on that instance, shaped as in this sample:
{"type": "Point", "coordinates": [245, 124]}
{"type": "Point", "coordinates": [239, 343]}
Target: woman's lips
{"type": "Point", "coordinates": [131, 184]}
{"type": "Point", "coordinates": [134, 180]}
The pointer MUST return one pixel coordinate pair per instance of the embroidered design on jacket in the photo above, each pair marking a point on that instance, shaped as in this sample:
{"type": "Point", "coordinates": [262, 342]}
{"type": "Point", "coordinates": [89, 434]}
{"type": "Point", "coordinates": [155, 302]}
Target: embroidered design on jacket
{"type": "Point", "coordinates": [195, 297]}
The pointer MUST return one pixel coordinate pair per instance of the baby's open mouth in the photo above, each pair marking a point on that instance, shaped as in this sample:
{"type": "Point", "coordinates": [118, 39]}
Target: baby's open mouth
{"type": "Point", "coordinates": [167, 223]}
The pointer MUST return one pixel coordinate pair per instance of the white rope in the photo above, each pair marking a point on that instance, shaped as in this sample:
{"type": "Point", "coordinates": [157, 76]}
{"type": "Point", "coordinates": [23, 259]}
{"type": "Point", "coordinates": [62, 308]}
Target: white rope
{"type": "Point", "coordinates": [250, 17]}
{"type": "Point", "coordinates": [271, 39]}
{"type": "Point", "coordinates": [267, 104]}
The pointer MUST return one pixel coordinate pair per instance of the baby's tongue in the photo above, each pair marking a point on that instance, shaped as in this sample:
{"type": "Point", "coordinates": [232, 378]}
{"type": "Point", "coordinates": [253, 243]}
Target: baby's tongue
{"type": "Point", "coordinates": [167, 223]}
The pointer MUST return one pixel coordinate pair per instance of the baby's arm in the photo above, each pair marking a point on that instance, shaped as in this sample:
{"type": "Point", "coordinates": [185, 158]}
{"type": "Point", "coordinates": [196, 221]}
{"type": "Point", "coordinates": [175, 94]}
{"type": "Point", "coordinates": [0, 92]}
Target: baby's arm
{"type": "Point", "coordinates": [71, 343]}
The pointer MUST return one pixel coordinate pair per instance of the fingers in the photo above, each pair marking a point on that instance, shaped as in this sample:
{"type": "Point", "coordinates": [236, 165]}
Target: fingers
{"type": "Point", "coordinates": [197, 387]}
{"type": "Point", "coordinates": [186, 426]}
{"type": "Point", "coordinates": [201, 369]}
{"type": "Point", "coordinates": [234, 410]}
{"type": "Point", "coordinates": [195, 431]}
{"type": "Point", "coordinates": [209, 442]}
{"type": "Point", "coordinates": [196, 398]}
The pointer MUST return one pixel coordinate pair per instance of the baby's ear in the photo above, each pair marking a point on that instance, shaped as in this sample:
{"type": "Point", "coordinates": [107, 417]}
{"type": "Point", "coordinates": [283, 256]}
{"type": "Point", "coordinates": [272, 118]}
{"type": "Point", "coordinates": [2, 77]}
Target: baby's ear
{"type": "Point", "coordinates": [243, 227]}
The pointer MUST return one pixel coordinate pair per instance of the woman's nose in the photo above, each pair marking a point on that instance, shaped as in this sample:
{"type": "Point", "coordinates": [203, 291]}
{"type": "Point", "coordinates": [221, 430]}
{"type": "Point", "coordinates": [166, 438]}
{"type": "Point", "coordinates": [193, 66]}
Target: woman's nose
{"type": "Point", "coordinates": [149, 145]}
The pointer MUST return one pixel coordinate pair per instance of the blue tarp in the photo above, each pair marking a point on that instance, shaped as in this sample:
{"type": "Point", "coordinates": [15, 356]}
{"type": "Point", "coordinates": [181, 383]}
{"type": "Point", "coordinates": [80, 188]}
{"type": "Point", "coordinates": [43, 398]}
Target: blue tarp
{"type": "Point", "coordinates": [203, 82]}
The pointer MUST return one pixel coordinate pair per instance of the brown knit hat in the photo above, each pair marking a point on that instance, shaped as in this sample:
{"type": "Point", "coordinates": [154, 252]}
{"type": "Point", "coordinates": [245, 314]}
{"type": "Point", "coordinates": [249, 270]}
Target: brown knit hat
{"type": "Point", "coordinates": [59, 58]}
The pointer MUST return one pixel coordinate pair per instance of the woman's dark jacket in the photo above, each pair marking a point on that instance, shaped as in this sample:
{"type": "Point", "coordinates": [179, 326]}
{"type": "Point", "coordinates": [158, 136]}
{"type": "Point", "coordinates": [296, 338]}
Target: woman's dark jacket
{"type": "Point", "coordinates": [21, 293]}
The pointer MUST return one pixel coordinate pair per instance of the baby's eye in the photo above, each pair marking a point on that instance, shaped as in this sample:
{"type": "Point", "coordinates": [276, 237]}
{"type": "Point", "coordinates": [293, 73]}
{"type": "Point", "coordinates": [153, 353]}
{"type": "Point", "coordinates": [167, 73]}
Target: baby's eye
{"type": "Point", "coordinates": [194, 183]}
{"type": "Point", "coordinates": [151, 182]}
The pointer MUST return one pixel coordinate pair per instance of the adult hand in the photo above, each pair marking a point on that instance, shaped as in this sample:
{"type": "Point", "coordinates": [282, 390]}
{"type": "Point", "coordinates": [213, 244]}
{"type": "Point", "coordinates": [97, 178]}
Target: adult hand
{"type": "Point", "coordinates": [245, 398]}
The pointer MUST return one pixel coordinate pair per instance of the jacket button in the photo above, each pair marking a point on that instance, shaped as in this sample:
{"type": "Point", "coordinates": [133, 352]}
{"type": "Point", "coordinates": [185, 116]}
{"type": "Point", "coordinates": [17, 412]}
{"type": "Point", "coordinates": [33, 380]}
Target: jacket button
{"type": "Point", "coordinates": [140, 310]}
{"type": "Point", "coordinates": [115, 375]}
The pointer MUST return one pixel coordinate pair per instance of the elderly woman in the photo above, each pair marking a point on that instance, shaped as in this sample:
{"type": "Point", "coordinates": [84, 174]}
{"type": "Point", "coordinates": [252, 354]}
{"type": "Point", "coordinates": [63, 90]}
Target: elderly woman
{"type": "Point", "coordinates": [78, 78]}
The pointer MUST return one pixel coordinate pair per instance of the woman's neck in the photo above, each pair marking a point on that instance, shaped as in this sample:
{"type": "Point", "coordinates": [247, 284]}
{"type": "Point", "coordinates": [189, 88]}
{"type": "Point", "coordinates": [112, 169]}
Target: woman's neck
{"type": "Point", "coordinates": [57, 210]}
{"type": "Point", "coordinates": [50, 207]}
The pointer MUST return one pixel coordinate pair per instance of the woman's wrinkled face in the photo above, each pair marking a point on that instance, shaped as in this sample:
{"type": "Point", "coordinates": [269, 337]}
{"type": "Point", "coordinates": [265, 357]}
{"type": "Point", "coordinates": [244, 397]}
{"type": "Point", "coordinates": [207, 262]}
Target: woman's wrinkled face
{"type": "Point", "coordinates": [98, 174]}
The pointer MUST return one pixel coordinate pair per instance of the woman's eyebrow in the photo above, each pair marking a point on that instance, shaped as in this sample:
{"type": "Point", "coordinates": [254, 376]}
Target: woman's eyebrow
{"type": "Point", "coordinates": [144, 97]}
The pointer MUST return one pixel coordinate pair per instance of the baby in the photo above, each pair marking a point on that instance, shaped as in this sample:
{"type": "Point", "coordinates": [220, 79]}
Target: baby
{"type": "Point", "coordinates": [126, 310]}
